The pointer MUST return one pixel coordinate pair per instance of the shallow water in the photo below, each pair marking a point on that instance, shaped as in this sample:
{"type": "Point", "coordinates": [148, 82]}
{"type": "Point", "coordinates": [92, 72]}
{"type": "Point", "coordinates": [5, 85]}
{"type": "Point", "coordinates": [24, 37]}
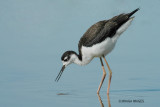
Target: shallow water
{"type": "Point", "coordinates": [40, 89]}
{"type": "Point", "coordinates": [34, 35]}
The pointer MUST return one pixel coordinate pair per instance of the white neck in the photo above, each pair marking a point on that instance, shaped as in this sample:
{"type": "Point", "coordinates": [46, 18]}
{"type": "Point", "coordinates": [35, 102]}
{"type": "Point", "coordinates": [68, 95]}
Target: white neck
{"type": "Point", "coordinates": [84, 61]}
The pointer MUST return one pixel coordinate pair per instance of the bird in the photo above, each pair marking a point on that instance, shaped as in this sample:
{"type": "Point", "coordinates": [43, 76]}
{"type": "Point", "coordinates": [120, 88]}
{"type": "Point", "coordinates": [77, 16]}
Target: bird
{"type": "Point", "coordinates": [98, 41]}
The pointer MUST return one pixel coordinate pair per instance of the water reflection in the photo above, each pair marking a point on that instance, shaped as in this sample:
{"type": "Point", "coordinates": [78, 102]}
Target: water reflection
{"type": "Point", "coordinates": [101, 102]}
{"type": "Point", "coordinates": [62, 93]}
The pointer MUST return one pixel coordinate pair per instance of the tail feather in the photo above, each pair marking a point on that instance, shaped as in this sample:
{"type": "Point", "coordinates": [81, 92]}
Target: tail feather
{"type": "Point", "coordinates": [130, 14]}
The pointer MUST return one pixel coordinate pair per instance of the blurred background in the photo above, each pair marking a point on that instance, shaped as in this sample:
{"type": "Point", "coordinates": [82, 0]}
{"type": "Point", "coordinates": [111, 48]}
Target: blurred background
{"type": "Point", "coordinates": [35, 33]}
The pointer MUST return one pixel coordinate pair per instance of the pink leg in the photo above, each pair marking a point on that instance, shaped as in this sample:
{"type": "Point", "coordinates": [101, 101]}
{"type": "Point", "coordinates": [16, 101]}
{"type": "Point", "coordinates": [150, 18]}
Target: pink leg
{"type": "Point", "coordinates": [103, 77]}
{"type": "Point", "coordinates": [110, 75]}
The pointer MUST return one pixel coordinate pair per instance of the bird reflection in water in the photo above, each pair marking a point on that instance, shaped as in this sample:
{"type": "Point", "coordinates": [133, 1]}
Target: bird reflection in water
{"type": "Point", "coordinates": [101, 102]}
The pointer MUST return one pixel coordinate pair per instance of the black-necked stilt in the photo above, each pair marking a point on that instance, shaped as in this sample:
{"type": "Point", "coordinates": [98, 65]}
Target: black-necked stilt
{"type": "Point", "coordinates": [98, 41]}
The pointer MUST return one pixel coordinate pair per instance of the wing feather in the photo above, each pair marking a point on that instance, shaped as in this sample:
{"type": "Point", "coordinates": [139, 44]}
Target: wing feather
{"type": "Point", "coordinates": [103, 29]}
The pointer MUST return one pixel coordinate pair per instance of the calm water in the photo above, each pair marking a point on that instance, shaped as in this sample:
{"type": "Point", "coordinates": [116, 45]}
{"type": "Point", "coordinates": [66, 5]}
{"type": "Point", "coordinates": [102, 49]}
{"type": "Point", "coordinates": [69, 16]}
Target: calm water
{"type": "Point", "coordinates": [34, 35]}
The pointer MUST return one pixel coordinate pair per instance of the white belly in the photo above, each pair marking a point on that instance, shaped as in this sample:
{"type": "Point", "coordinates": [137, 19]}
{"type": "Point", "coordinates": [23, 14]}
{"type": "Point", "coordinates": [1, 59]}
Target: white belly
{"type": "Point", "coordinates": [99, 49]}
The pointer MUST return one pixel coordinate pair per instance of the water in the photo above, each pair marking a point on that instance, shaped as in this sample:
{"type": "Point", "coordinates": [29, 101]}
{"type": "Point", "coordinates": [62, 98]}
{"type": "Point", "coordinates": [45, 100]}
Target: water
{"type": "Point", "coordinates": [34, 35]}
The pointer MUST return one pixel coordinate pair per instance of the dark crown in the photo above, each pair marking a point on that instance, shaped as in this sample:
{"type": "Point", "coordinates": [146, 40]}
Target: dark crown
{"type": "Point", "coordinates": [68, 55]}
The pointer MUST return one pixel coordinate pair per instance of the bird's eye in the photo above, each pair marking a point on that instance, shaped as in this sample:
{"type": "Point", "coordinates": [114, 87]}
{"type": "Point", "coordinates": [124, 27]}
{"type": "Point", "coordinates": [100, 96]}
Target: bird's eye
{"type": "Point", "coordinates": [65, 59]}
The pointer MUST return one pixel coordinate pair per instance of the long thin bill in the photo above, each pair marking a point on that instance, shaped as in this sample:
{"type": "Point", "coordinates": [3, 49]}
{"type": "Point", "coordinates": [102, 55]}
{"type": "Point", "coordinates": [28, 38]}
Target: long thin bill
{"type": "Point", "coordinates": [60, 73]}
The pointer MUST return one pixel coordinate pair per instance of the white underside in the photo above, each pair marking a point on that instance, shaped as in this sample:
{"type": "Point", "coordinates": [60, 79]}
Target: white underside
{"type": "Point", "coordinates": [103, 48]}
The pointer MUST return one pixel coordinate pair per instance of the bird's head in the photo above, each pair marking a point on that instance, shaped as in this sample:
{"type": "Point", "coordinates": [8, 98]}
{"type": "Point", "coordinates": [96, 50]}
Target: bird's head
{"type": "Point", "coordinates": [67, 58]}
